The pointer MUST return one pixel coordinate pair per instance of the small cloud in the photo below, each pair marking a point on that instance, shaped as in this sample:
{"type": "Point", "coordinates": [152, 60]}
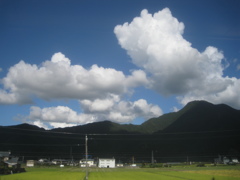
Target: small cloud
{"type": "Point", "coordinates": [61, 125]}
{"type": "Point", "coordinates": [238, 67]}
{"type": "Point", "coordinates": [40, 124]}
{"type": "Point", "coordinates": [1, 69]}
{"type": "Point", "coordinates": [235, 60]}
{"type": "Point", "coordinates": [175, 109]}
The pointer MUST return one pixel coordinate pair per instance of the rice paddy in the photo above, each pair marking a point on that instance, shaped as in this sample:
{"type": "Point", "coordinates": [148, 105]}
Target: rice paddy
{"type": "Point", "coordinates": [173, 173]}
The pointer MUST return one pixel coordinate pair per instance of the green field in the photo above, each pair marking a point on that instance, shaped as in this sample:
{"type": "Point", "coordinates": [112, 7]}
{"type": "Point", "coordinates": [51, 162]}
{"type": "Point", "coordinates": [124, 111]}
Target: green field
{"type": "Point", "coordinates": [173, 173]}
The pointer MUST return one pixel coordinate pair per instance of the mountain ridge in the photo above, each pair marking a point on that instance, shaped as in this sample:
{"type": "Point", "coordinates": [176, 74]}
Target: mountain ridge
{"type": "Point", "coordinates": [153, 125]}
{"type": "Point", "coordinates": [200, 129]}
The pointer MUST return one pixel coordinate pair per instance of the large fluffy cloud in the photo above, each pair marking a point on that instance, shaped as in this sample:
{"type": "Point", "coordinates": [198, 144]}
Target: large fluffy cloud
{"type": "Point", "coordinates": [58, 79]}
{"type": "Point", "coordinates": [156, 44]}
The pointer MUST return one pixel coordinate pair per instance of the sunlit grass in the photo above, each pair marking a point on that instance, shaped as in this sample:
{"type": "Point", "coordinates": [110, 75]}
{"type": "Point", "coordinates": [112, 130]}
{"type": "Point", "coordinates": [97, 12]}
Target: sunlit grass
{"type": "Point", "coordinates": [47, 173]}
{"type": "Point", "coordinates": [230, 173]}
{"type": "Point", "coordinates": [173, 173]}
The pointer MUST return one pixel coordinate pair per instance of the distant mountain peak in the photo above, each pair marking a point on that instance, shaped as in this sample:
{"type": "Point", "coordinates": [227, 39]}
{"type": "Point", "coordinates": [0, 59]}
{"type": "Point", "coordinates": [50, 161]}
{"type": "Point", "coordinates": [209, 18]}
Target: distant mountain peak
{"type": "Point", "coordinates": [27, 126]}
{"type": "Point", "coordinates": [198, 102]}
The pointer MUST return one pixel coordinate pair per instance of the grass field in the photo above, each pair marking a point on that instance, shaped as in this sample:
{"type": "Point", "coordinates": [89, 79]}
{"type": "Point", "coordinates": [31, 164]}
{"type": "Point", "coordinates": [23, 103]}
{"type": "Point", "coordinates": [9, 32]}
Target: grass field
{"type": "Point", "coordinates": [47, 173]}
{"type": "Point", "coordinates": [174, 173]}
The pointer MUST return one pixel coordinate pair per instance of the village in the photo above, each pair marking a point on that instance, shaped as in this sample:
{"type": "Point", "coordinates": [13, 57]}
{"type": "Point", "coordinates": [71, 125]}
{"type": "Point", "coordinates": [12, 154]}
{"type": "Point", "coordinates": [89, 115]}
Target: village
{"type": "Point", "coordinates": [100, 162]}
{"type": "Point", "coordinates": [10, 164]}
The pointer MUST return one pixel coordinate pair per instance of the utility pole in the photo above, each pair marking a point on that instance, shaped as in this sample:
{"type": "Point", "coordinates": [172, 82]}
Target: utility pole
{"type": "Point", "coordinates": [152, 158]}
{"type": "Point", "coordinates": [86, 151]}
{"type": "Point", "coordinates": [71, 156]}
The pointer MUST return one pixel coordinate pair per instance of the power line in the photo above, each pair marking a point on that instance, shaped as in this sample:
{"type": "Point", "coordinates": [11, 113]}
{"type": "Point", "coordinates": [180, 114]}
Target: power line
{"type": "Point", "coordinates": [152, 137]}
{"type": "Point", "coordinates": [124, 134]}
{"type": "Point", "coordinates": [53, 145]}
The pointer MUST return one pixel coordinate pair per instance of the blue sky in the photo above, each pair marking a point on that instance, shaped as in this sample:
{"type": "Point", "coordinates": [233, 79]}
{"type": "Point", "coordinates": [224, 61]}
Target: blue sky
{"type": "Point", "coordinates": [72, 62]}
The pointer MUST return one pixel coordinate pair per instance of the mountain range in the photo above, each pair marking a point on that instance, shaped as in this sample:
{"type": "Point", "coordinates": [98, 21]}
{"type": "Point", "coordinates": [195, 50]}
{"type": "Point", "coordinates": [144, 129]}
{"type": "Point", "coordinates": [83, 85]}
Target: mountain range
{"type": "Point", "coordinates": [199, 131]}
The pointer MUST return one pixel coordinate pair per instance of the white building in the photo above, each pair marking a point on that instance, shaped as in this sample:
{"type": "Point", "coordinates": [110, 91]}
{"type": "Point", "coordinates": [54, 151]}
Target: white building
{"type": "Point", "coordinates": [235, 160]}
{"type": "Point", "coordinates": [59, 161]}
{"type": "Point", "coordinates": [30, 163]}
{"type": "Point", "coordinates": [90, 162]}
{"type": "Point", "coordinates": [120, 165]}
{"type": "Point", "coordinates": [106, 163]}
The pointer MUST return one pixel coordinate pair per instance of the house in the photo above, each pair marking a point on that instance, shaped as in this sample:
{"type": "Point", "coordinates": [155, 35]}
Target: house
{"type": "Point", "coordinates": [133, 165]}
{"type": "Point", "coordinates": [120, 165]}
{"type": "Point", "coordinates": [44, 162]}
{"type": "Point", "coordinates": [90, 162]}
{"type": "Point", "coordinates": [235, 160]}
{"type": "Point", "coordinates": [106, 163]}
{"type": "Point", "coordinates": [30, 163]}
{"type": "Point", "coordinates": [59, 161]}
{"type": "Point", "coordinates": [225, 160]}
{"type": "Point", "coordinates": [12, 162]}
{"type": "Point", "coordinates": [218, 160]}
{"type": "Point", "coordinates": [9, 164]}
{"type": "Point", "coordinates": [4, 155]}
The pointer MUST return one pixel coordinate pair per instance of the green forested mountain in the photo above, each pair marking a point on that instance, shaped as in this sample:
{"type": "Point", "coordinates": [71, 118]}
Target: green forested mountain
{"type": "Point", "coordinates": [195, 116]}
{"type": "Point", "coordinates": [200, 130]}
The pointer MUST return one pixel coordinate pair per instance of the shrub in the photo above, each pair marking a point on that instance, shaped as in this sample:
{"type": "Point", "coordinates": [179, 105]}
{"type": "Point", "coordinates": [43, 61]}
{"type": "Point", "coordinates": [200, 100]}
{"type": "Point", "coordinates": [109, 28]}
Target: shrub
{"type": "Point", "coordinates": [201, 165]}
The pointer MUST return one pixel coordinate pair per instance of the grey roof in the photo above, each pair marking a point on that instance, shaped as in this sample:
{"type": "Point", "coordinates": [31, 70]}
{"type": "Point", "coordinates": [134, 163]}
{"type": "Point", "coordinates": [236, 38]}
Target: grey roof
{"type": "Point", "coordinates": [87, 160]}
{"type": "Point", "coordinates": [107, 158]}
{"type": "Point", "coordinates": [12, 161]}
{"type": "Point", "coordinates": [4, 154]}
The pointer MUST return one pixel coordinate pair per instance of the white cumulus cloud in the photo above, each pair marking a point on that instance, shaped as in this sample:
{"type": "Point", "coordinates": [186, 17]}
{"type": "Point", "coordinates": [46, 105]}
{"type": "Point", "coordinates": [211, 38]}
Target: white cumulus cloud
{"type": "Point", "coordinates": [58, 79]}
{"type": "Point", "coordinates": [156, 44]}
{"type": "Point", "coordinates": [119, 110]}
{"type": "Point", "coordinates": [238, 67]}
{"type": "Point", "coordinates": [112, 109]}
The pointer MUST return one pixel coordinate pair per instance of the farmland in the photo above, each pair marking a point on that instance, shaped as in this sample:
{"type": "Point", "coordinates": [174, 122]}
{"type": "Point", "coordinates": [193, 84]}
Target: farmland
{"type": "Point", "coordinates": [173, 173]}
